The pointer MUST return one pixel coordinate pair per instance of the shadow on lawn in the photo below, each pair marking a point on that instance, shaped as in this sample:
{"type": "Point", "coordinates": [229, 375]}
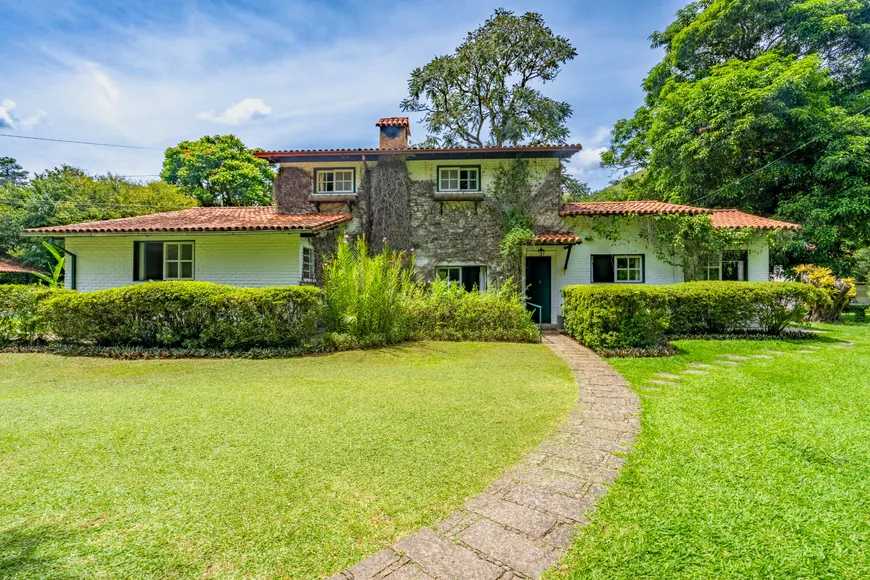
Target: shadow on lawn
{"type": "Point", "coordinates": [30, 551]}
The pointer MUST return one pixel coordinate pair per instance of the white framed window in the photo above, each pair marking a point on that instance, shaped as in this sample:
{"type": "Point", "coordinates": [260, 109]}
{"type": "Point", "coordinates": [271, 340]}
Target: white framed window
{"type": "Point", "coordinates": [729, 265]}
{"type": "Point", "coordinates": [163, 261]}
{"type": "Point", "coordinates": [469, 277]}
{"type": "Point", "coordinates": [335, 181]}
{"type": "Point", "coordinates": [307, 264]}
{"type": "Point", "coordinates": [628, 269]}
{"type": "Point", "coordinates": [178, 261]}
{"type": "Point", "coordinates": [459, 179]}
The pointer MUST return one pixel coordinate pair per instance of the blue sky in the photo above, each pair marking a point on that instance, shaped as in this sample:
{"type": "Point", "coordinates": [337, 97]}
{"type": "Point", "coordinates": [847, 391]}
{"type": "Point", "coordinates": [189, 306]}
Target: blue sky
{"type": "Point", "coordinates": [289, 74]}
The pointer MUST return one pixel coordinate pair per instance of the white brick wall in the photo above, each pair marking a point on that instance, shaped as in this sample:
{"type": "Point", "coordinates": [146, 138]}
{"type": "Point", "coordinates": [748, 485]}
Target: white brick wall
{"type": "Point", "coordinates": [579, 269]}
{"type": "Point", "coordinates": [244, 259]}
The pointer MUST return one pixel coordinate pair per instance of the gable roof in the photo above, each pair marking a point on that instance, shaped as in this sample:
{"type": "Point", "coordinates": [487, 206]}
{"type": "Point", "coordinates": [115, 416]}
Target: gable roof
{"type": "Point", "coordinates": [720, 218]}
{"type": "Point", "coordinates": [11, 267]}
{"type": "Point", "coordinates": [732, 218]}
{"type": "Point", "coordinates": [627, 207]}
{"type": "Point", "coordinates": [205, 219]}
{"type": "Point", "coordinates": [556, 239]}
{"type": "Point", "coordinates": [419, 152]}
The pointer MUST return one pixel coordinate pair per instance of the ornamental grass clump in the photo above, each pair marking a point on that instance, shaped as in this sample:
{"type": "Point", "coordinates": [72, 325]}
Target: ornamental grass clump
{"type": "Point", "coordinates": [838, 292]}
{"type": "Point", "coordinates": [367, 295]}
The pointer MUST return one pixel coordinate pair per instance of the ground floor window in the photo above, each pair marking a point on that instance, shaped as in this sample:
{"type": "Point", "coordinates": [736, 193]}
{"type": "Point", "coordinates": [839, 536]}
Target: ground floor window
{"type": "Point", "coordinates": [307, 264]}
{"type": "Point", "coordinates": [469, 277]}
{"type": "Point", "coordinates": [163, 261]}
{"type": "Point", "coordinates": [618, 268]}
{"type": "Point", "coordinates": [730, 265]}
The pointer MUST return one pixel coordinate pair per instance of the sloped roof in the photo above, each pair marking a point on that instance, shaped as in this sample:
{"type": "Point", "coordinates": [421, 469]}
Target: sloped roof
{"type": "Point", "coordinates": [732, 218]}
{"type": "Point", "coordinates": [560, 150]}
{"type": "Point", "coordinates": [205, 219]}
{"type": "Point", "coordinates": [558, 239]}
{"type": "Point", "coordinates": [627, 207]}
{"type": "Point", "coordinates": [8, 266]}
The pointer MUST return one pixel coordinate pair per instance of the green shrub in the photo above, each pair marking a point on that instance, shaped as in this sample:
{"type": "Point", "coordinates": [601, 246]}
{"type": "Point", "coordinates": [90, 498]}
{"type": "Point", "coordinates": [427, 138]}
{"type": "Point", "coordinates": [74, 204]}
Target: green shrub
{"type": "Point", "coordinates": [710, 307]}
{"type": "Point", "coordinates": [780, 304]}
{"type": "Point", "coordinates": [835, 293]}
{"type": "Point", "coordinates": [615, 316]}
{"type": "Point", "coordinates": [449, 312]}
{"type": "Point", "coordinates": [365, 295]}
{"type": "Point", "coordinates": [20, 316]}
{"type": "Point", "coordinates": [189, 314]}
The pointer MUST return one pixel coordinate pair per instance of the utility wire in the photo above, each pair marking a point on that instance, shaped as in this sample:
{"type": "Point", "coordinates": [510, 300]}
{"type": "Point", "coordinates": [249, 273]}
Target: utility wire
{"type": "Point", "coordinates": [781, 157]}
{"type": "Point", "coordinates": [80, 142]}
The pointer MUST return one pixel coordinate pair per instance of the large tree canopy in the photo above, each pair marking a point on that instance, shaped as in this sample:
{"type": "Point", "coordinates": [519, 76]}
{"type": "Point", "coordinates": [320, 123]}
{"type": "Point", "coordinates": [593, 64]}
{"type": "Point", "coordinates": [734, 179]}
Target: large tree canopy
{"type": "Point", "coordinates": [763, 105]}
{"type": "Point", "coordinates": [11, 173]}
{"type": "Point", "coordinates": [484, 93]}
{"type": "Point", "coordinates": [68, 195]}
{"type": "Point", "coordinates": [219, 170]}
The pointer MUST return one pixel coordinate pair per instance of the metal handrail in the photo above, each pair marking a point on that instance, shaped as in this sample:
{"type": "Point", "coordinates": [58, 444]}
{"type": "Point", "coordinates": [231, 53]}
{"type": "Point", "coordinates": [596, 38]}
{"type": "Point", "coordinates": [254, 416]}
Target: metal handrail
{"type": "Point", "coordinates": [540, 319]}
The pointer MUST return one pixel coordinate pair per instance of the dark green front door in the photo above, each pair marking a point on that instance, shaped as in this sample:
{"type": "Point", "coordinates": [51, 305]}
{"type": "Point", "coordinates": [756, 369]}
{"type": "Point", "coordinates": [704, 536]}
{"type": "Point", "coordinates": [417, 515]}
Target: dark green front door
{"type": "Point", "coordinates": [538, 283]}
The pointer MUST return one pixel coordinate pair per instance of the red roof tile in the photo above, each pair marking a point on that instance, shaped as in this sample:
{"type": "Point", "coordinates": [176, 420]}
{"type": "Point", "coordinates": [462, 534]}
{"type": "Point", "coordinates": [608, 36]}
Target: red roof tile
{"type": "Point", "coordinates": [9, 267]}
{"type": "Point", "coordinates": [205, 219]}
{"type": "Point", "coordinates": [732, 218]}
{"type": "Point", "coordinates": [395, 122]}
{"type": "Point", "coordinates": [557, 239]}
{"type": "Point", "coordinates": [627, 207]}
{"type": "Point", "coordinates": [412, 149]}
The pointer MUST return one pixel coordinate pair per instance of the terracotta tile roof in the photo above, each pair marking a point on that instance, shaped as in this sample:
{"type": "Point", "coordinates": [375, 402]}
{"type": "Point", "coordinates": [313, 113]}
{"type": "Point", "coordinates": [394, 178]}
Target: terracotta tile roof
{"type": "Point", "coordinates": [627, 207]}
{"type": "Point", "coordinates": [395, 122]}
{"type": "Point", "coordinates": [412, 149]}
{"type": "Point", "coordinates": [10, 267]}
{"type": "Point", "coordinates": [557, 239]}
{"type": "Point", "coordinates": [732, 218]}
{"type": "Point", "coordinates": [205, 219]}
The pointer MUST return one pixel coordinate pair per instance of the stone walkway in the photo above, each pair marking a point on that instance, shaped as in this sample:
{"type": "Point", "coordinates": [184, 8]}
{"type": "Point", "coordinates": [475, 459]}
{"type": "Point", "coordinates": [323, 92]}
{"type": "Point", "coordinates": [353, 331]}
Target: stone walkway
{"type": "Point", "coordinates": [521, 525]}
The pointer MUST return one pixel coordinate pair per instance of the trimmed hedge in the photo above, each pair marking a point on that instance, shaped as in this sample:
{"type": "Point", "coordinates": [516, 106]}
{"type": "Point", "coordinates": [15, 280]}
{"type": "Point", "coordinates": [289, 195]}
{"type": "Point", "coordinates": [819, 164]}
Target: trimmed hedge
{"type": "Point", "coordinates": [188, 314]}
{"type": "Point", "coordinates": [449, 312]}
{"type": "Point", "coordinates": [20, 317]}
{"type": "Point", "coordinates": [615, 316]}
{"type": "Point", "coordinates": [612, 317]}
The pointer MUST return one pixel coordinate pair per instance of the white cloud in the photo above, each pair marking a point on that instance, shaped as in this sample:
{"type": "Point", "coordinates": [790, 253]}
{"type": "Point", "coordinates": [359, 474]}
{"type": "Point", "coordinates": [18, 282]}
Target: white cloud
{"type": "Point", "coordinates": [10, 121]}
{"type": "Point", "coordinates": [242, 112]}
{"type": "Point", "coordinates": [6, 119]}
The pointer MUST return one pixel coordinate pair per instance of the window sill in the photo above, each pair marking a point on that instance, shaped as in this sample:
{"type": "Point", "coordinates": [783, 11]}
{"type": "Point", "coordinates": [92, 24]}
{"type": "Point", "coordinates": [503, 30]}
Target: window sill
{"type": "Point", "coordinates": [458, 196]}
{"type": "Point", "coordinates": [332, 197]}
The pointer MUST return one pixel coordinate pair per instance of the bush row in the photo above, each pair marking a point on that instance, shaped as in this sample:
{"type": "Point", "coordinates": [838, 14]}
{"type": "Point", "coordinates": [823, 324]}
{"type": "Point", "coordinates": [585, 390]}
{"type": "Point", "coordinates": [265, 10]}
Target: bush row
{"type": "Point", "coordinates": [608, 317]}
{"type": "Point", "coordinates": [21, 317]}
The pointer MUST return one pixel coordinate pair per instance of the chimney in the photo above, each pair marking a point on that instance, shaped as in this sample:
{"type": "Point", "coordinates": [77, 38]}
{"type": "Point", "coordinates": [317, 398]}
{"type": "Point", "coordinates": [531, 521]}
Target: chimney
{"type": "Point", "coordinates": [394, 132]}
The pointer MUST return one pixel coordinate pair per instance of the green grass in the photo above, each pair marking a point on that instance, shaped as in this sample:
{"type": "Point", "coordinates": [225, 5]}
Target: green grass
{"type": "Point", "coordinates": [757, 471]}
{"type": "Point", "coordinates": [279, 468]}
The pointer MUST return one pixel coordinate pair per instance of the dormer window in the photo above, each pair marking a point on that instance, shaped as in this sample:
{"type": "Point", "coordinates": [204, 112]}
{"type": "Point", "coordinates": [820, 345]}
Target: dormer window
{"type": "Point", "coordinates": [335, 181]}
{"type": "Point", "coordinates": [459, 179]}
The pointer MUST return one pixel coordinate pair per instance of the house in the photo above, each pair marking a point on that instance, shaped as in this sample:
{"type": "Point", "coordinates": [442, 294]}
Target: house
{"type": "Point", "coordinates": [438, 201]}
{"type": "Point", "coordinates": [12, 271]}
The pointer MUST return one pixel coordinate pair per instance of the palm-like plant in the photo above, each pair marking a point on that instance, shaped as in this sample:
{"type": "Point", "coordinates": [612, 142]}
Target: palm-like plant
{"type": "Point", "coordinates": [53, 278]}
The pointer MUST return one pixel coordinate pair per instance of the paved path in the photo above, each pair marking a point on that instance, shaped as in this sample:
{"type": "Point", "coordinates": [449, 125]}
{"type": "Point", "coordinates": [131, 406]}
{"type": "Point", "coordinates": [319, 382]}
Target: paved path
{"type": "Point", "coordinates": [521, 525]}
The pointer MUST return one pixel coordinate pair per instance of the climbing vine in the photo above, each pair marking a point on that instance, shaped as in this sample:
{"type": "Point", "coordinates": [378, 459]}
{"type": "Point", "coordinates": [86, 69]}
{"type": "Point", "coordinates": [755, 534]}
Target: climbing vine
{"type": "Point", "coordinates": [512, 193]}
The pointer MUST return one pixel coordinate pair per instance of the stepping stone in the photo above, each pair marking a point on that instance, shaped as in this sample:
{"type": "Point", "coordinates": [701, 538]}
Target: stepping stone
{"type": "Point", "coordinates": [735, 357]}
{"type": "Point", "coordinates": [767, 356]}
{"type": "Point", "coordinates": [727, 362]}
{"type": "Point", "coordinates": [505, 546]}
{"type": "Point", "coordinates": [668, 383]}
{"type": "Point", "coordinates": [804, 351]}
{"type": "Point", "coordinates": [776, 352]}
{"type": "Point", "coordinates": [701, 365]}
{"type": "Point", "coordinates": [645, 388]}
{"type": "Point", "coordinates": [695, 372]}
{"type": "Point", "coordinates": [846, 346]}
{"type": "Point", "coordinates": [441, 558]}
{"type": "Point", "coordinates": [669, 376]}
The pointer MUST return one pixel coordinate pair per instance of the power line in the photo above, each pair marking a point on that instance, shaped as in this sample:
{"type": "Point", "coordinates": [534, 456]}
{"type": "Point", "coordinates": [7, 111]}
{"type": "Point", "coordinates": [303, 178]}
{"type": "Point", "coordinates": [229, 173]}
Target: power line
{"type": "Point", "coordinates": [80, 142]}
{"type": "Point", "coordinates": [781, 157]}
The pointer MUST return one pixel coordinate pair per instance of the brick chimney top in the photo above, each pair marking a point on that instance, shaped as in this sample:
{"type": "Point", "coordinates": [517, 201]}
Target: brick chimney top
{"type": "Point", "coordinates": [394, 132]}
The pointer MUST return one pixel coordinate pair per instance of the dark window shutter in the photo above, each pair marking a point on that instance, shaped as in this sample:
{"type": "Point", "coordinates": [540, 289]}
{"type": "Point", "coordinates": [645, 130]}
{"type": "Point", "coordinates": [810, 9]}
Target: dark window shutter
{"type": "Point", "coordinates": [643, 268]}
{"type": "Point", "coordinates": [154, 261]}
{"type": "Point", "coordinates": [602, 268]}
{"type": "Point", "coordinates": [136, 249]}
{"type": "Point", "coordinates": [745, 265]}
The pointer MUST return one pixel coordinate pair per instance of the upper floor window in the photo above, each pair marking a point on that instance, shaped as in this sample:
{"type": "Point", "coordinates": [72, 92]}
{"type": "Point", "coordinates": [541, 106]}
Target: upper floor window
{"type": "Point", "coordinates": [335, 181]}
{"type": "Point", "coordinates": [459, 179]}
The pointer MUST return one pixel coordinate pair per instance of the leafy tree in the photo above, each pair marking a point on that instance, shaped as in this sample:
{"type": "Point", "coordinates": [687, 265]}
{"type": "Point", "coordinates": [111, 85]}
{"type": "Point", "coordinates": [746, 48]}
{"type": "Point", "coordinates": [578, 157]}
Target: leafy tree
{"type": "Point", "coordinates": [67, 195]}
{"type": "Point", "coordinates": [11, 173]}
{"type": "Point", "coordinates": [761, 104]}
{"type": "Point", "coordinates": [573, 189]}
{"type": "Point", "coordinates": [484, 92]}
{"type": "Point", "coordinates": [219, 170]}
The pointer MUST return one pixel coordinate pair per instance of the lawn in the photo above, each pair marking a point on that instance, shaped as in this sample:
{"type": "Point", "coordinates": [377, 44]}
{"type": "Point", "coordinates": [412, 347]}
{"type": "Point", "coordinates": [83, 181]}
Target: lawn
{"type": "Point", "coordinates": [753, 471]}
{"type": "Point", "coordinates": [238, 468]}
